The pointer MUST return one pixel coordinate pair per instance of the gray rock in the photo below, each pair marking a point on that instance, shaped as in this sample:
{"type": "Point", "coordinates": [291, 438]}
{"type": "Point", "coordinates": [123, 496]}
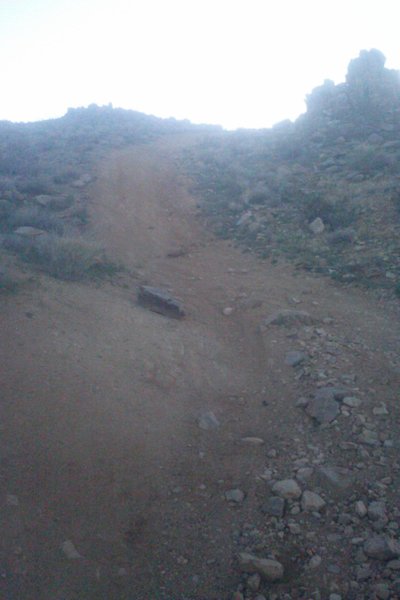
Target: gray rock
{"type": "Point", "coordinates": [254, 582]}
{"type": "Point", "coordinates": [314, 562]}
{"type": "Point", "coordinates": [338, 477]}
{"type": "Point", "coordinates": [235, 495]}
{"type": "Point", "coordinates": [368, 437]}
{"type": "Point", "coordinates": [363, 573]}
{"type": "Point", "coordinates": [274, 506]}
{"type": "Point", "coordinates": [208, 421]}
{"type": "Point", "coordinates": [289, 317]}
{"type": "Point", "coordinates": [380, 411]}
{"type": "Point", "coordinates": [331, 393]}
{"type": "Point", "coordinates": [252, 441]}
{"type": "Point", "coordinates": [304, 474]}
{"type": "Point", "coordinates": [352, 402]}
{"type": "Point", "coordinates": [360, 508]}
{"type": "Point", "coordinates": [310, 501]}
{"type": "Point", "coordinates": [270, 570]}
{"type": "Point", "coordinates": [381, 548]}
{"type": "Point", "coordinates": [69, 550]}
{"type": "Point", "coordinates": [288, 489]}
{"type": "Point", "coordinates": [317, 226]}
{"type": "Point", "coordinates": [160, 301]}
{"type": "Point", "coordinates": [323, 410]}
{"type": "Point", "coordinates": [294, 358]}
{"type": "Point", "coordinates": [27, 231]}
{"type": "Point", "coordinates": [377, 511]}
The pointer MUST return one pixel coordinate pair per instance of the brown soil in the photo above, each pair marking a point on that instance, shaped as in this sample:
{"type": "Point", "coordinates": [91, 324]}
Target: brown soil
{"type": "Point", "coordinates": [100, 399]}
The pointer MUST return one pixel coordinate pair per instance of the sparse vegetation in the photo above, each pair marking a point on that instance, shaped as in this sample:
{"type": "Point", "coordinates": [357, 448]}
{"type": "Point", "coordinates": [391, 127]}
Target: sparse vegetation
{"type": "Point", "coordinates": [62, 257]}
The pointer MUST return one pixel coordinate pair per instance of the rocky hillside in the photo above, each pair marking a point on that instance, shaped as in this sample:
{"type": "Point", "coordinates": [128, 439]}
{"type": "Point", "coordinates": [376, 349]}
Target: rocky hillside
{"type": "Point", "coordinates": [45, 169]}
{"type": "Point", "coordinates": [323, 191]}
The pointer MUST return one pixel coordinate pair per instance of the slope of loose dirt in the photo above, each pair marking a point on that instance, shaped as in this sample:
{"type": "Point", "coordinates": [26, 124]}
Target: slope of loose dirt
{"type": "Point", "coordinates": [100, 401]}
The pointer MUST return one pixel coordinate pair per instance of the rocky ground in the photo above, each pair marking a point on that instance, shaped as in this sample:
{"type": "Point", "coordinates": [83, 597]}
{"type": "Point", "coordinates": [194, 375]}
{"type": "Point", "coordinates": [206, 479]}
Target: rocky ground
{"type": "Point", "coordinates": [249, 449]}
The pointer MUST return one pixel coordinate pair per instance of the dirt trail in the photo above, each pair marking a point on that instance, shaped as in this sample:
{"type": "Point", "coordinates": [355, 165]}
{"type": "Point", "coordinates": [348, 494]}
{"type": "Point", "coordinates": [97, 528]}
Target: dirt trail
{"type": "Point", "coordinates": [100, 399]}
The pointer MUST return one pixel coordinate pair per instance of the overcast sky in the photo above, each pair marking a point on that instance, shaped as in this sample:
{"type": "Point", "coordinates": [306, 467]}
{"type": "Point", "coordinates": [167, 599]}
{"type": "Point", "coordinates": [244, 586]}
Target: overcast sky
{"type": "Point", "coordinates": [239, 63]}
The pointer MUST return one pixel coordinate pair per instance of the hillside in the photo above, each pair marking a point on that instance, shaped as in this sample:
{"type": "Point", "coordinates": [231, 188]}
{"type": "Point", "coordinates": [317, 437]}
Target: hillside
{"type": "Point", "coordinates": [323, 191]}
{"type": "Point", "coordinates": [248, 450]}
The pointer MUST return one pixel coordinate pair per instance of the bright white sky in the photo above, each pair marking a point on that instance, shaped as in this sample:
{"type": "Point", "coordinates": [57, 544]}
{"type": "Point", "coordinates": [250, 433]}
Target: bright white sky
{"type": "Point", "coordinates": [239, 63]}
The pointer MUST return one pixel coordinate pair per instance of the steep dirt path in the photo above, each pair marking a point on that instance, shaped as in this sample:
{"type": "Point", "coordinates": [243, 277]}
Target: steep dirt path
{"type": "Point", "coordinates": [100, 399]}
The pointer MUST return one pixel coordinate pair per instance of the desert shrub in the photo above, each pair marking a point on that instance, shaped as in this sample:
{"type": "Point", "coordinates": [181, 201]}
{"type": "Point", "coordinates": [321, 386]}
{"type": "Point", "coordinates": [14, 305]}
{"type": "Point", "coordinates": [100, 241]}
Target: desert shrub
{"type": "Point", "coordinates": [61, 257]}
{"type": "Point", "coordinates": [335, 211]}
{"type": "Point", "coordinates": [66, 258]}
{"type": "Point", "coordinates": [66, 177]}
{"type": "Point", "coordinates": [34, 186]}
{"type": "Point", "coordinates": [366, 160]}
{"type": "Point", "coordinates": [33, 216]}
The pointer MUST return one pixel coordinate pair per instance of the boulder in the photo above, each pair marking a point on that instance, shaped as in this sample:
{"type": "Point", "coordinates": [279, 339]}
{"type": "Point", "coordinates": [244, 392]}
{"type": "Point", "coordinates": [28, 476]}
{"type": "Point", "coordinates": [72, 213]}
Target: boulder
{"type": "Point", "coordinates": [160, 301]}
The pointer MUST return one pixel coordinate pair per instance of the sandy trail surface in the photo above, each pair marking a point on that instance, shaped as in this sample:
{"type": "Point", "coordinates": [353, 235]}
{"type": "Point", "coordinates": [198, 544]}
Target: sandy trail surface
{"type": "Point", "coordinates": [101, 449]}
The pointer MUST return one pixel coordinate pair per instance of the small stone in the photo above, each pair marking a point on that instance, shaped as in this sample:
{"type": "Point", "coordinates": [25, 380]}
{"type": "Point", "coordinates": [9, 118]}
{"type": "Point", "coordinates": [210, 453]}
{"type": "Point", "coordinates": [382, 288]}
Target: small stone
{"type": "Point", "coordinates": [331, 393]}
{"type": "Point", "coordinates": [69, 550]}
{"type": "Point", "coordinates": [302, 402]}
{"type": "Point", "coordinates": [377, 511]}
{"type": "Point", "coordinates": [208, 421]}
{"type": "Point", "coordinates": [360, 508]}
{"type": "Point", "coordinates": [304, 474]}
{"type": "Point", "coordinates": [252, 441]}
{"type": "Point", "coordinates": [274, 506]}
{"type": "Point", "coordinates": [12, 500]}
{"type": "Point", "coordinates": [294, 528]}
{"type": "Point", "coordinates": [235, 495]}
{"type": "Point", "coordinates": [310, 501]}
{"type": "Point", "coordinates": [394, 565]}
{"type": "Point", "coordinates": [314, 562]}
{"type": "Point", "coordinates": [338, 477]}
{"type": "Point", "coordinates": [27, 231]}
{"type": "Point", "coordinates": [317, 226]}
{"type": "Point", "coordinates": [270, 570]}
{"type": "Point", "coordinates": [352, 401]}
{"type": "Point", "coordinates": [294, 358]}
{"type": "Point", "coordinates": [382, 548]}
{"type": "Point", "coordinates": [227, 311]}
{"type": "Point", "coordinates": [380, 410]}
{"type": "Point", "coordinates": [254, 582]}
{"type": "Point", "coordinates": [287, 488]}
{"type": "Point", "coordinates": [369, 437]}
